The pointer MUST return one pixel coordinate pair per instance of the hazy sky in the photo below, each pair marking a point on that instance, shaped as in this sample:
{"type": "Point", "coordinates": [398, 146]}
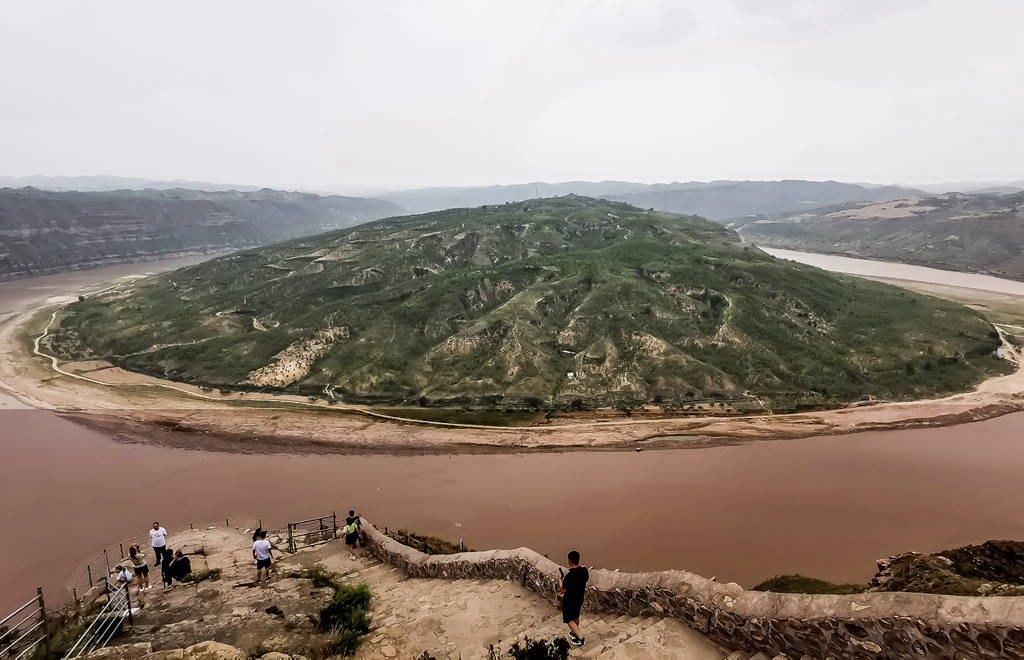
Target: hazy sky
{"type": "Point", "coordinates": [347, 95]}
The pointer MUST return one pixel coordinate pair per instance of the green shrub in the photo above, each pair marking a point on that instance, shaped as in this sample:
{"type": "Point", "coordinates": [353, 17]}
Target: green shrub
{"type": "Point", "coordinates": [533, 649]}
{"type": "Point", "coordinates": [200, 576]}
{"type": "Point", "coordinates": [346, 618]}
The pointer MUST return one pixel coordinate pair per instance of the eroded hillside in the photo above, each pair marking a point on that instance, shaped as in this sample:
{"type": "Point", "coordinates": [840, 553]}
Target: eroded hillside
{"type": "Point", "coordinates": [565, 302]}
{"type": "Point", "coordinates": [978, 232]}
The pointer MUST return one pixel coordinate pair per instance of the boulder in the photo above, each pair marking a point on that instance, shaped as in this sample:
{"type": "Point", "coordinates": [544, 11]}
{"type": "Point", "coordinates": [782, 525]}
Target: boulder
{"type": "Point", "coordinates": [213, 651]}
{"type": "Point", "coordinates": [123, 652]}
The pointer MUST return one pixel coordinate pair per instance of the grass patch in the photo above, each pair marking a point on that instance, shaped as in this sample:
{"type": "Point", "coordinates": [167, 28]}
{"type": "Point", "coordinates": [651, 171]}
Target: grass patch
{"type": "Point", "coordinates": [432, 545]}
{"type": "Point", "coordinates": [346, 617]}
{"type": "Point", "coordinates": [201, 576]}
{"type": "Point", "coordinates": [800, 584]}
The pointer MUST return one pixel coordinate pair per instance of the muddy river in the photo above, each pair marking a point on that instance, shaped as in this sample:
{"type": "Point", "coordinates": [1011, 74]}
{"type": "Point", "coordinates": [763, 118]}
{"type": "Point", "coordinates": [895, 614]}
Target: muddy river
{"type": "Point", "coordinates": [823, 506]}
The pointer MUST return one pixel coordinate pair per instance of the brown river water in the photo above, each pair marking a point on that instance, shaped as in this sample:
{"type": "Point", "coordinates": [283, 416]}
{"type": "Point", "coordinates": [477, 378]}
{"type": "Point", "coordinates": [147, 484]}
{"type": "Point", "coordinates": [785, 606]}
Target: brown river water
{"type": "Point", "coordinates": [826, 506]}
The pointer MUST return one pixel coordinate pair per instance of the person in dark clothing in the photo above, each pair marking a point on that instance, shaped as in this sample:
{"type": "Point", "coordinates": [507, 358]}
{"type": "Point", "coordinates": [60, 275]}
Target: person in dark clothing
{"type": "Point", "coordinates": [181, 566]}
{"type": "Point", "coordinates": [166, 573]}
{"type": "Point", "coordinates": [573, 586]}
{"type": "Point", "coordinates": [351, 532]}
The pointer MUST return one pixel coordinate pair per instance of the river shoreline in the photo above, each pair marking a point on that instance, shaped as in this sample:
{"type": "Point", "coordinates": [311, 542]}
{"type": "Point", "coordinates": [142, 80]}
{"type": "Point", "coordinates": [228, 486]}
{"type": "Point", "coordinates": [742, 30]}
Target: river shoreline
{"type": "Point", "coordinates": [142, 408]}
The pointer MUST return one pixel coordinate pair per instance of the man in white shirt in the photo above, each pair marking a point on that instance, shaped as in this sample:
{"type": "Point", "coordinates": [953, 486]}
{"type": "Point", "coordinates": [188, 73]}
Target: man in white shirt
{"type": "Point", "coordinates": [158, 536]}
{"type": "Point", "coordinates": [261, 553]}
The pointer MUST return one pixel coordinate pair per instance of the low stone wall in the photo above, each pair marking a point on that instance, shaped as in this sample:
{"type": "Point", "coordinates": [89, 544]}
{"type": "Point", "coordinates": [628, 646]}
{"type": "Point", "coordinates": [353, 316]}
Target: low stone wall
{"type": "Point", "coordinates": [871, 625]}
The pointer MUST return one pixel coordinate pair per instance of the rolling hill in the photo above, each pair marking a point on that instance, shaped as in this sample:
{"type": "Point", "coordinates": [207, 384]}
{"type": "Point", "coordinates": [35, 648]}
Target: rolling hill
{"type": "Point", "coordinates": [564, 303]}
{"type": "Point", "coordinates": [47, 231]}
{"type": "Point", "coordinates": [976, 232]}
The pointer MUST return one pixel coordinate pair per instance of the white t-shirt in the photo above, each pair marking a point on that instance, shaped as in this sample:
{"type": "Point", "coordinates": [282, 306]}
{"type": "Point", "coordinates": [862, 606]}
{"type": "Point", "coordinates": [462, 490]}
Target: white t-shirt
{"type": "Point", "coordinates": [262, 549]}
{"type": "Point", "coordinates": [158, 537]}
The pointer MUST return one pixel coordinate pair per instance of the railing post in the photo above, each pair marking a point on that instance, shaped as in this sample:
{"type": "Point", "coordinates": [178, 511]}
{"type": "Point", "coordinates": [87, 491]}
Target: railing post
{"type": "Point", "coordinates": [74, 592]}
{"type": "Point", "coordinates": [42, 616]}
{"type": "Point", "coordinates": [106, 576]}
{"type": "Point", "coordinates": [121, 545]}
{"type": "Point", "coordinates": [334, 525]}
{"type": "Point", "coordinates": [291, 540]}
{"type": "Point", "coordinates": [462, 546]}
{"type": "Point", "coordinates": [128, 600]}
{"type": "Point", "coordinates": [88, 567]}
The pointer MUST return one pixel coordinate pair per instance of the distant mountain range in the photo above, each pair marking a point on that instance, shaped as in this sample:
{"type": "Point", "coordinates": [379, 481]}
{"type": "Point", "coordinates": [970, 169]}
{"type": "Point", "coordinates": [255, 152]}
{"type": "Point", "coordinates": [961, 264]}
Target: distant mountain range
{"type": "Point", "coordinates": [46, 231]}
{"type": "Point", "coordinates": [981, 232]}
{"type": "Point", "coordinates": [95, 183]}
{"type": "Point", "coordinates": [715, 200]}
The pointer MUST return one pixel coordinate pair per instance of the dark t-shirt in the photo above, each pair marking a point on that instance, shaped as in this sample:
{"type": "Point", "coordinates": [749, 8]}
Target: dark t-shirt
{"type": "Point", "coordinates": [575, 584]}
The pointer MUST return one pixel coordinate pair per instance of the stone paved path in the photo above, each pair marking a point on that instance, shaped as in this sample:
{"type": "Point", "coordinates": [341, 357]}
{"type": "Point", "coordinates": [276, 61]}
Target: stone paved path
{"type": "Point", "coordinates": [450, 619]}
{"type": "Point", "coordinates": [459, 618]}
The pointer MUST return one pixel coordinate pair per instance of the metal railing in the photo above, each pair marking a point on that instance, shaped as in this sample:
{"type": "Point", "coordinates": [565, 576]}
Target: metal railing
{"type": "Point", "coordinates": [96, 568]}
{"type": "Point", "coordinates": [106, 624]}
{"type": "Point", "coordinates": [314, 531]}
{"type": "Point", "coordinates": [412, 541]}
{"type": "Point", "coordinates": [24, 629]}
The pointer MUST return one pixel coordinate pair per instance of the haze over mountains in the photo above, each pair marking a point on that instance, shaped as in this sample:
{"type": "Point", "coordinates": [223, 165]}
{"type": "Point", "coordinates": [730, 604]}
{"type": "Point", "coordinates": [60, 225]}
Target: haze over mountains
{"type": "Point", "coordinates": [715, 200]}
{"type": "Point", "coordinates": [46, 231]}
{"type": "Point", "coordinates": [77, 221]}
{"type": "Point", "coordinates": [980, 232]}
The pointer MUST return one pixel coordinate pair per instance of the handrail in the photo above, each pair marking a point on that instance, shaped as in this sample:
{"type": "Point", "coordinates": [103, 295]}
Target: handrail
{"type": "Point", "coordinates": [12, 614]}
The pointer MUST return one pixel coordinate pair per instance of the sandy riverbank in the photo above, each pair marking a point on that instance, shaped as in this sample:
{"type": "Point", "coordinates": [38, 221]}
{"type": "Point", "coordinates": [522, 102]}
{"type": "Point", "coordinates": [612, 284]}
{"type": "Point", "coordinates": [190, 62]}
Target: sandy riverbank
{"type": "Point", "coordinates": [135, 407]}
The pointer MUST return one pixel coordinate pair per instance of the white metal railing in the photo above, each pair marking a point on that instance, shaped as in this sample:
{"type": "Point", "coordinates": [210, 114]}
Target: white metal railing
{"type": "Point", "coordinates": [21, 637]}
{"type": "Point", "coordinates": [106, 624]}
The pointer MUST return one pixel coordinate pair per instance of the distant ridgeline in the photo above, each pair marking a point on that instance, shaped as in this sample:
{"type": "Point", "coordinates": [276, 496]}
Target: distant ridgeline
{"type": "Point", "coordinates": [981, 232]}
{"type": "Point", "coordinates": [44, 231]}
{"type": "Point", "coordinates": [567, 302]}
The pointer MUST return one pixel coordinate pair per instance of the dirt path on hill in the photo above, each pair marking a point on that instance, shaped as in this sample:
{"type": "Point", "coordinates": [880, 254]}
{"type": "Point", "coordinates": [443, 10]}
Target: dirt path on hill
{"type": "Point", "coordinates": [136, 407]}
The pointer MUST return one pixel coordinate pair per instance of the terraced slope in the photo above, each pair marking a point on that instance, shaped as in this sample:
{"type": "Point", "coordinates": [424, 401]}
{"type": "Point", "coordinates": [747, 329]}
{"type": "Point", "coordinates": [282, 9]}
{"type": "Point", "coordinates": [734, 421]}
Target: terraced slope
{"type": "Point", "coordinates": [564, 302]}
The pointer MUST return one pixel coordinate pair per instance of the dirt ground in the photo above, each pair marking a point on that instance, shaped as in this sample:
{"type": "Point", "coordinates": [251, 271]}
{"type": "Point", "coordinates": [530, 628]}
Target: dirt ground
{"type": "Point", "coordinates": [446, 618]}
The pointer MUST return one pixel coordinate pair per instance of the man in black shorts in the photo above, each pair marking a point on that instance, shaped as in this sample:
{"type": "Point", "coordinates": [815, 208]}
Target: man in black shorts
{"type": "Point", "coordinates": [573, 585]}
{"type": "Point", "coordinates": [261, 552]}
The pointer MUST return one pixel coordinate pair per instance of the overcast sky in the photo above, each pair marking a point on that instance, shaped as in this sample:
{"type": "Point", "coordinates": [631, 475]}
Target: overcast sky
{"type": "Point", "coordinates": [354, 95]}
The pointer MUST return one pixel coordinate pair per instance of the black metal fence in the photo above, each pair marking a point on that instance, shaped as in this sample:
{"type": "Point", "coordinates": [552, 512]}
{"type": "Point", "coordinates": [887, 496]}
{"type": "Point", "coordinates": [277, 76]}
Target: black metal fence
{"type": "Point", "coordinates": [24, 629]}
{"type": "Point", "coordinates": [414, 542]}
{"type": "Point", "coordinates": [314, 531]}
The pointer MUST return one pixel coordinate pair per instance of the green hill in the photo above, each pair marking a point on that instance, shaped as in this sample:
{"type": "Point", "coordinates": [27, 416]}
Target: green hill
{"type": "Point", "coordinates": [563, 302]}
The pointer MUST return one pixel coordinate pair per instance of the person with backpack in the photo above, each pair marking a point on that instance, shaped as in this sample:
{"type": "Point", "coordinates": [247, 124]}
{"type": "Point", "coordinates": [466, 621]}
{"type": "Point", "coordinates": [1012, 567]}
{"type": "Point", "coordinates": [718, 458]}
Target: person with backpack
{"type": "Point", "coordinates": [573, 587]}
{"type": "Point", "coordinates": [351, 532]}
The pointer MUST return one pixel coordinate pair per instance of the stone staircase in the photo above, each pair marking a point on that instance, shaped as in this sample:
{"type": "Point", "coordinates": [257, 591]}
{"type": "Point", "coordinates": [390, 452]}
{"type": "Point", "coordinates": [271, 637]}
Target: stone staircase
{"type": "Point", "coordinates": [460, 618]}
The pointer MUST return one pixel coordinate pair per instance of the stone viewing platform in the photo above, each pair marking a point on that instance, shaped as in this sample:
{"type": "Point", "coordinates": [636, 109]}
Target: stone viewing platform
{"type": "Point", "coordinates": [454, 606]}
{"type": "Point", "coordinates": [232, 619]}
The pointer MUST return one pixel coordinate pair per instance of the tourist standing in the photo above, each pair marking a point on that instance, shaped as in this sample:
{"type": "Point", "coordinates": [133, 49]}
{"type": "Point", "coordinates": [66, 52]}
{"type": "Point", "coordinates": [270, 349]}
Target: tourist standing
{"type": "Point", "coordinates": [140, 567]}
{"type": "Point", "coordinates": [573, 586]}
{"type": "Point", "coordinates": [262, 553]}
{"type": "Point", "coordinates": [158, 538]}
{"type": "Point", "coordinates": [351, 532]}
{"type": "Point", "coordinates": [166, 571]}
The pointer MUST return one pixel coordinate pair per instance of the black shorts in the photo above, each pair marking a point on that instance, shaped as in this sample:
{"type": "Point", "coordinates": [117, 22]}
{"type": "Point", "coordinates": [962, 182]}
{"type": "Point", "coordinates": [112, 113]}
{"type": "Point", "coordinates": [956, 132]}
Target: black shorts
{"type": "Point", "coordinates": [262, 563]}
{"type": "Point", "coordinates": [350, 539]}
{"type": "Point", "coordinates": [571, 610]}
{"type": "Point", "coordinates": [142, 570]}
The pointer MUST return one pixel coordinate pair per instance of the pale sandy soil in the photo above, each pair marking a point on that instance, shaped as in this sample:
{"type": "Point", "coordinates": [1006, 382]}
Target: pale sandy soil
{"type": "Point", "coordinates": [138, 407]}
{"type": "Point", "coordinates": [450, 619]}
